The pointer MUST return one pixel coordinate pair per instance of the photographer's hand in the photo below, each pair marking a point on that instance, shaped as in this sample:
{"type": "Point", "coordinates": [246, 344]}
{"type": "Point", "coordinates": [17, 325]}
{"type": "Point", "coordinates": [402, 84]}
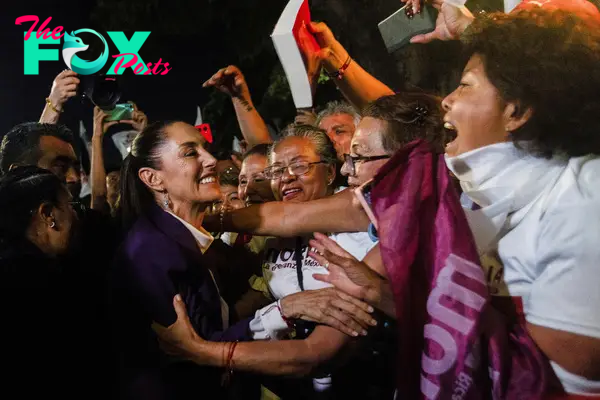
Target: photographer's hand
{"type": "Point", "coordinates": [138, 120]}
{"type": "Point", "coordinates": [63, 88]}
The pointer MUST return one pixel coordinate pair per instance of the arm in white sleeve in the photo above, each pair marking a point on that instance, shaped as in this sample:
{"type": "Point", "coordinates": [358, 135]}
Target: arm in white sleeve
{"type": "Point", "coordinates": [562, 308]}
{"type": "Point", "coordinates": [268, 323]}
{"type": "Point", "coordinates": [565, 295]}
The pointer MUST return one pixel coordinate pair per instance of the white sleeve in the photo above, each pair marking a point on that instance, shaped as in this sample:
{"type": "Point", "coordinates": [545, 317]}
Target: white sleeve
{"type": "Point", "coordinates": [565, 296]}
{"type": "Point", "coordinates": [268, 324]}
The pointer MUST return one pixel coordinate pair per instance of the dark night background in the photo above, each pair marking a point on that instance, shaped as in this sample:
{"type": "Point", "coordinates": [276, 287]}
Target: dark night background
{"type": "Point", "coordinates": [199, 37]}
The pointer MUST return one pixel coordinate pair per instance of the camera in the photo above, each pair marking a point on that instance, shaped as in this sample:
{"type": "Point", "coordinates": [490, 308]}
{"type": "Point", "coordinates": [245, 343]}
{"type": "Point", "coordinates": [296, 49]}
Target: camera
{"type": "Point", "coordinates": [103, 91]}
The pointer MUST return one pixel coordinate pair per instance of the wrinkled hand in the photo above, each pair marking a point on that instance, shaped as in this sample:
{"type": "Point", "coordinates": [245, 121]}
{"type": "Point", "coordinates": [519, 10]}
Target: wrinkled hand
{"type": "Point", "coordinates": [138, 120]}
{"type": "Point", "coordinates": [330, 307]}
{"type": "Point", "coordinates": [305, 117]}
{"type": "Point", "coordinates": [179, 339]}
{"type": "Point", "coordinates": [101, 126]}
{"type": "Point", "coordinates": [450, 24]}
{"type": "Point", "coordinates": [231, 81]}
{"type": "Point", "coordinates": [332, 54]}
{"type": "Point", "coordinates": [63, 88]}
{"type": "Point", "coordinates": [345, 272]}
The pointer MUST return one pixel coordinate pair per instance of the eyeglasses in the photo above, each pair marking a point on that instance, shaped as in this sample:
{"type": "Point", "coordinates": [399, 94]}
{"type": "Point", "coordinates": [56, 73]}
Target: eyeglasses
{"type": "Point", "coordinates": [296, 169]}
{"type": "Point", "coordinates": [352, 160]}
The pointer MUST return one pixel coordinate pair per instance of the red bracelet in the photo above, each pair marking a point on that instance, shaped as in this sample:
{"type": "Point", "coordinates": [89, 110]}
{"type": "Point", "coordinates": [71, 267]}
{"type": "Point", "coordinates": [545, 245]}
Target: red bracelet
{"type": "Point", "coordinates": [339, 74]}
{"type": "Point", "coordinates": [289, 322]}
{"type": "Point", "coordinates": [229, 364]}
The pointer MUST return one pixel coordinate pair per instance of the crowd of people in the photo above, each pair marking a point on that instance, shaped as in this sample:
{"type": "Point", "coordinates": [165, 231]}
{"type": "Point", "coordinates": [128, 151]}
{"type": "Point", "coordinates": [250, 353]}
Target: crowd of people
{"type": "Point", "coordinates": [384, 246]}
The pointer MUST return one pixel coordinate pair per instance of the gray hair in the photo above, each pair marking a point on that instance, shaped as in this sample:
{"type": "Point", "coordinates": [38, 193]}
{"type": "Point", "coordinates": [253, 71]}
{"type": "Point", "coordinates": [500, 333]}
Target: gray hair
{"type": "Point", "coordinates": [323, 145]}
{"type": "Point", "coordinates": [336, 108]}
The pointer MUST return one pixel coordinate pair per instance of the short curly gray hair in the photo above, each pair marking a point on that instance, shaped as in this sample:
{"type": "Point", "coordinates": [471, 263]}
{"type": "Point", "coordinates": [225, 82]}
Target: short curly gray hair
{"type": "Point", "coordinates": [323, 145]}
{"type": "Point", "coordinates": [336, 108]}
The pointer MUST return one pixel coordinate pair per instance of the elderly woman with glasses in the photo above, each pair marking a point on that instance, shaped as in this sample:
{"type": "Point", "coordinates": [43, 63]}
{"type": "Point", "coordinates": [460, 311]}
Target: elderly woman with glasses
{"type": "Point", "coordinates": [302, 168]}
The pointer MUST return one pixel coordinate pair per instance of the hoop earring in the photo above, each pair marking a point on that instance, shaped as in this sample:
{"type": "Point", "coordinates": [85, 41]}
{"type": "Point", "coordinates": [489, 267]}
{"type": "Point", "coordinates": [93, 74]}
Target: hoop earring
{"type": "Point", "coordinates": [53, 224]}
{"type": "Point", "coordinates": [166, 201]}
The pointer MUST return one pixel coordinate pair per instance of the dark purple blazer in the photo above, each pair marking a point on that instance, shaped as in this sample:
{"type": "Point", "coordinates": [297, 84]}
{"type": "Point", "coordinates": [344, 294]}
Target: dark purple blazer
{"type": "Point", "coordinates": [158, 259]}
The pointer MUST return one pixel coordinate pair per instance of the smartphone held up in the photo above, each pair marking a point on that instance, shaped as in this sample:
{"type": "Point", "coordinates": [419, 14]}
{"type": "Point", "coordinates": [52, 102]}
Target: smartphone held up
{"type": "Point", "coordinates": [121, 112]}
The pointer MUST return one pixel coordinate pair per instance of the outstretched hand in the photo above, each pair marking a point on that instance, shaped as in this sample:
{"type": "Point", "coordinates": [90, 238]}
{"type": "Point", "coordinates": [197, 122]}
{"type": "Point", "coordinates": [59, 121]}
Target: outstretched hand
{"type": "Point", "coordinates": [179, 339]}
{"type": "Point", "coordinates": [345, 272]}
{"type": "Point", "coordinates": [231, 81]}
{"type": "Point", "coordinates": [329, 306]}
{"type": "Point", "coordinates": [332, 54]}
{"type": "Point", "coordinates": [451, 22]}
{"type": "Point", "coordinates": [64, 87]}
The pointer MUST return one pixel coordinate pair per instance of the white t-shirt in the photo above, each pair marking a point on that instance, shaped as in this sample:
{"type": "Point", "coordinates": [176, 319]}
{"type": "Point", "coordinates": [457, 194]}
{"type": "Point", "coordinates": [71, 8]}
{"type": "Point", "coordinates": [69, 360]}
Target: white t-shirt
{"type": "Point", "coordinates": [279, 263]}
{"type": "Point", "coordinates": [279, 272]}
{"type": "Point", "coordinates": [550, 257]}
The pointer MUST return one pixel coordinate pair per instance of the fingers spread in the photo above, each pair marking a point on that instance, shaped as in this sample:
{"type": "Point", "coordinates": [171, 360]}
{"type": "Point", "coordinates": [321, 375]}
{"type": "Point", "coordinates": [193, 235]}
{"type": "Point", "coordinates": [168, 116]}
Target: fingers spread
{"type": "Point", "coordinates": [322, 277]}
{"type": "Point", "coordinates": [358, 315]}
{"type": "Point", "coordinates": [356, 302]}
{"type": "Point", "coordinates": [347, 321]}
{"type": "Point", "coordinates": [320, 258]}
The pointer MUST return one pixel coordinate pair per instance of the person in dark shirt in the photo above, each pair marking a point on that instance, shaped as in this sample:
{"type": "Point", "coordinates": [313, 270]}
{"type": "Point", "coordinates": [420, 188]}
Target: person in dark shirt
{"type": "Point", "coordinates": [52, 337]}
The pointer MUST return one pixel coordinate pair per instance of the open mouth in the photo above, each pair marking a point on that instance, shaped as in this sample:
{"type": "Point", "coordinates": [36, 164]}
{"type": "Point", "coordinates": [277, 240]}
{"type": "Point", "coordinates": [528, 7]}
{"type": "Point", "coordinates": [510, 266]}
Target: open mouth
{"type": "Point", "coordinates": [451, 135]}
{"type": "Point", "coordinates": [449, 126]}
{"type": "Point", "coordinates": [208, 179]}
{"type": "Point", "coordinates": [291, 193]}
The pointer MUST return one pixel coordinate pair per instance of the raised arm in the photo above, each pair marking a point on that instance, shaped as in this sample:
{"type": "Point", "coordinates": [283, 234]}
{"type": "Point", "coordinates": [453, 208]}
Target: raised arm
{"type": "Point", "coordinates": [98, 171]}
{"type": "Point", "coordinates": [331, 214]}
{"type": "Point", "coordinates": [450, 24]}
{"type": "Point", "coordinates": [63, 88]}
{"type": "Point", "coordinates": [231, 81]}
{"type": "Point", "coordinates": [356, 84]}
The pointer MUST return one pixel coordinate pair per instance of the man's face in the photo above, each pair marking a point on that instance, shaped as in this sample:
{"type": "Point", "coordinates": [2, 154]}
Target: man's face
{"type": "Point", "coordinates": [59, 157]}
{"type": "Point", "coordinates": [339, 128]}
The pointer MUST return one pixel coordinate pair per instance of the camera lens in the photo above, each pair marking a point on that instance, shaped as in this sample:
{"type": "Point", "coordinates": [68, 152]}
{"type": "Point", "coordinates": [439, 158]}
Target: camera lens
{"type": "Point", "coordinates": [103, 91]}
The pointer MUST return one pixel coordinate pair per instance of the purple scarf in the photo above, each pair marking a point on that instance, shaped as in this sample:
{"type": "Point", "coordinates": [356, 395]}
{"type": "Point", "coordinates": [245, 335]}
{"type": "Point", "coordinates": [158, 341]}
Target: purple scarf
{"type": "Point", "coordinates": [452, 343]}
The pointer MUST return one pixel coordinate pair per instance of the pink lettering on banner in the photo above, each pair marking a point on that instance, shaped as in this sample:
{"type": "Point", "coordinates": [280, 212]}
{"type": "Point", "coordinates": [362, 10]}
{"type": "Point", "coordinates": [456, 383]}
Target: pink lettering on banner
{"type": "Point", "coordinates": [450, 319]}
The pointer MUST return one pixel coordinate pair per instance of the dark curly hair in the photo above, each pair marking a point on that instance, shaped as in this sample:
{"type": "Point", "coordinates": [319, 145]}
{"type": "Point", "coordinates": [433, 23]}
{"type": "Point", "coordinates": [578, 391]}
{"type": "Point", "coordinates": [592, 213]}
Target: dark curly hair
{"type": "Point", "coordinates": [549, 62]}
{"type": "Point", "coordinates": [410, 116]}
